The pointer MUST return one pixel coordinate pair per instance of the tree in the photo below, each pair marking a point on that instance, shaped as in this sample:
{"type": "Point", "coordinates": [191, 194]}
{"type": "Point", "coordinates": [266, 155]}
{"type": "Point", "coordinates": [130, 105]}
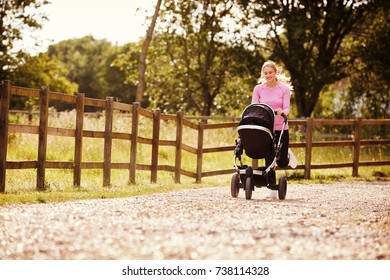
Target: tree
{"type": "Point", "coordinates": [116, 79]}
{"type": "Point", "coordinates": [84, 59]}
{"type": "Point", "coordinates": [366, 90]}
{"type": "Point", "coordinates": [126, 62]}
{"type": "Point", "coordinates": [19, 67]}
{"type": "Point", "coordinates": [90, 65]}
{"type": "Point", "coordinates": [14, 17]}
{"type": "Point", "coordinates": [308, 37]}
{"type": "Point", "coordinates": [194, 60]}
{"type": "Point", "coordinates": [142, 58]}
{"type": "Point", "coordinates": [369, 94]}
{"type": "Point", "coordinates": [175, 79]}
{"type": "Point", "coordinates": [40, 70]}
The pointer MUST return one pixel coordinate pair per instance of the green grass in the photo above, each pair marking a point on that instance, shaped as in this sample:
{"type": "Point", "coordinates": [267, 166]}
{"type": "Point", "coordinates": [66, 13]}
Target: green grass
{"type": "Point", "coordinates": [60, 187]}
{"type": "Point", "coordinates": [21, 184]}
{"type": "Point", "coordinates": [62, 190]}
{"type": "Point", "coordinates": [78, 193]}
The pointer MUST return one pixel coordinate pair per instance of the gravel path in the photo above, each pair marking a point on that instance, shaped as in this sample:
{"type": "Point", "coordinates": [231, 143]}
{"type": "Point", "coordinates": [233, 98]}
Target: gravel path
{"type": "Point", "coordinates": [318, 221]}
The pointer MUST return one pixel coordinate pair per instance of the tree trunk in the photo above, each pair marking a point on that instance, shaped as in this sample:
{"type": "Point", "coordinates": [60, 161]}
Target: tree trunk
{"type": "Point", "coordinates": [142, 58]}
{"type": "Point", "coordinates": [305, 103]}
{"type": "Point", "coordinates": [306, 96]}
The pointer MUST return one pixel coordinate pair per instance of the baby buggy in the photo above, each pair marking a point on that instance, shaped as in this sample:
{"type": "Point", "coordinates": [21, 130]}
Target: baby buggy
{"type": "Point", "coordinates": [257, 138]}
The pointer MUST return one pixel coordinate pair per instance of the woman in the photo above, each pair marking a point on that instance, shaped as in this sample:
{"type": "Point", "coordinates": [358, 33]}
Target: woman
{"type": "Point", "coordinates": [274, 90]}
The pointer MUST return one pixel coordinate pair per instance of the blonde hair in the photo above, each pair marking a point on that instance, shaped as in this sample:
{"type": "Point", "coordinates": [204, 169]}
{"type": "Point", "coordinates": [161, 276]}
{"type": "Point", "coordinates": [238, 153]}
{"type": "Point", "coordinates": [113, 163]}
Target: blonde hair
{"type": "Point", "coordinates": [280, 77]}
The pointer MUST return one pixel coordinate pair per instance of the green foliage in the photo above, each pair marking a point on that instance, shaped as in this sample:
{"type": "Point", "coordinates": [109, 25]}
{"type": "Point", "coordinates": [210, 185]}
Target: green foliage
{"type": "Point", "coordinates": [369, 94]}
{"type": "Point", "coordinates": [126, 61]}
{"type": "Point", "coordinates": [194, 66]}
{"type": "Point", "coordinates": [309, 38]}
{"type": "Point", "coordinates": [40, 70]}
{"type": "Point", "coordinates": [37, 71]}
{"type": "Point", "coordinates": [366, 90]}
{"type": "Point", "coordinates": [15, 16]}
{"type": "Point", "coordinates": [21, 68]}
{"type": "Point", "coordinates": [206, 57]}
{"type": "Point", "coordinates": [90, 65]}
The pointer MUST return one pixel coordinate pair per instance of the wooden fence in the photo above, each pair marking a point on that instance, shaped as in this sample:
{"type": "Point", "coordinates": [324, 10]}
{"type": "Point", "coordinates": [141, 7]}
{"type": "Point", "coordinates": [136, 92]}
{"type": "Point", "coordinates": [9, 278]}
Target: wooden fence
{"type": "Point", "coordinates": [109, 106]}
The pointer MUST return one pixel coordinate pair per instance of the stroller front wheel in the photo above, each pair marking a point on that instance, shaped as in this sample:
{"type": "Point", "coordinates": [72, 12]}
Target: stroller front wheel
{"type": "Point", "coordinates": [248, 187]}
{"type": "Point", "coordinates": [282, 191]}
{"type": "Point", "coordinates": [234, 187]}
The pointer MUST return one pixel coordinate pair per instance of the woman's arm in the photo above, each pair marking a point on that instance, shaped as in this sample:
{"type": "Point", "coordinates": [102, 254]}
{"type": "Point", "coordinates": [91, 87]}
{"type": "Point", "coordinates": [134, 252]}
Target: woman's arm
{"type": "Point", "coordinates": [286, 101]}
{"type": "Point", "coordinates": [256, 95]}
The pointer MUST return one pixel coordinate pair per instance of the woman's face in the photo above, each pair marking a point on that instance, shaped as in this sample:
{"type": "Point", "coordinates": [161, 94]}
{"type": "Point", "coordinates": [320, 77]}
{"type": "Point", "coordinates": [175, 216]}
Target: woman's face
{"type": "Point", "coordinates": [269, 74]}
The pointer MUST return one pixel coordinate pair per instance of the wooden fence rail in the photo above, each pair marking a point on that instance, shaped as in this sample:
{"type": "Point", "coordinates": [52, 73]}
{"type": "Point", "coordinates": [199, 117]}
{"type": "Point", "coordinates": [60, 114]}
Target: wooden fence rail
{"type": "Point", "coordinates": [108, 135]}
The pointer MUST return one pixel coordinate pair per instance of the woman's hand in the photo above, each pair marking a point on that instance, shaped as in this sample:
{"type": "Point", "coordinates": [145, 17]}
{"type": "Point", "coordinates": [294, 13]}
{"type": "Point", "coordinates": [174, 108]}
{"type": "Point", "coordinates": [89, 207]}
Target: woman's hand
{"type": "Point", "coordinates": [279, 111]}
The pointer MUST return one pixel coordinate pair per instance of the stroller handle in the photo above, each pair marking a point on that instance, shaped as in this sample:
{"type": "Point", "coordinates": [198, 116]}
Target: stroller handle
{"type": "Point", "coordinates": [283, 115]}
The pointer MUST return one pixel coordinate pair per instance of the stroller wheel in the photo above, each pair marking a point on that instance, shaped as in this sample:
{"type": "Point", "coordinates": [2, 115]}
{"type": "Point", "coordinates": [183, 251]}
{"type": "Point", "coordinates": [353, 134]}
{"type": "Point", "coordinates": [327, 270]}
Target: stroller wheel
{"type": "Point", "coordinates": [234, 186]}
{"type": "Point", "coordinates": [282, 187]}
{"type": "Point", "coordinates": [248, 187]}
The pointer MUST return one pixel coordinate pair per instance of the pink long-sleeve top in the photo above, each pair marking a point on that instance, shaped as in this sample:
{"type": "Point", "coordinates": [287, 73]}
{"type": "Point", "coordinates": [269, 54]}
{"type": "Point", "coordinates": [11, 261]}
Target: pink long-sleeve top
{"type": "Point", "coordinates": [276, 97]}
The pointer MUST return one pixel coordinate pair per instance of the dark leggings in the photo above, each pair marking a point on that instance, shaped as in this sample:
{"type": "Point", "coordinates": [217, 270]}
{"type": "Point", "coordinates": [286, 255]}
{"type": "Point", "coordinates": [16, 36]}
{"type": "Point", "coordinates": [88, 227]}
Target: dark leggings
{"type": "Point", "coordinates": [283, 159]}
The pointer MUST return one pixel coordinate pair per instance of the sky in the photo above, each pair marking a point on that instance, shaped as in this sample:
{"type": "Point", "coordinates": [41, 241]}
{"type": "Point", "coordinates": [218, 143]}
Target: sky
{"type": "Point", "coordinates": [118, 21]}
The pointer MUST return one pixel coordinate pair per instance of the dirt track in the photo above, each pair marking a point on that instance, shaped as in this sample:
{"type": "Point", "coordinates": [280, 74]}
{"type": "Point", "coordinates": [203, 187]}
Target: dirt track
{"type": "Point", "coordinates": [337, 221]}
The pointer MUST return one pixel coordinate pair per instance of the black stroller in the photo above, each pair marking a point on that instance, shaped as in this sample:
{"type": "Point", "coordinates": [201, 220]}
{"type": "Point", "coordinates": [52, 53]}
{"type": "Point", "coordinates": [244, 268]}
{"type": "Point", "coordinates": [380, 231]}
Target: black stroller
{"type": "Point", "coordinates": [257, 139]}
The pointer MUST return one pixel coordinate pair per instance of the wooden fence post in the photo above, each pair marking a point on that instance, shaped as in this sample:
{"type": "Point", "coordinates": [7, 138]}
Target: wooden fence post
{"type": "Point", "coordinates": [155, 144]}
{"type": "Point", "coordinates": [255, 163]}
{"type": "Point", "coordinates": [108, 141]}
{"type": "Point", "coordinates": [179, 136]}
{"type": "Point", "coordinates": [78, 147]}
{"type": "Point", "coordinates": [309, 146]}
{"type": "Point", "coordinates": [42, 137]}
{"type": "Point", "coordinates": [5, 95]}
{"type": "Point", "coordinates": [133, 147]}
{"type": "Point", "coordinates": [356, 152]}
{"type": "Point", "coordinates": [199, 153]}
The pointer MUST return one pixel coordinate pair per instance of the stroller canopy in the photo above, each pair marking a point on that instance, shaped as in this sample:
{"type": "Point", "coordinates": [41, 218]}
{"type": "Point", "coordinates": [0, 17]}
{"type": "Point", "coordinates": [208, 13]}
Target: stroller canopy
{"type": "Point", "coordinates": [258, 114]}
{"type": "Point", "coordinates": [256, 130]}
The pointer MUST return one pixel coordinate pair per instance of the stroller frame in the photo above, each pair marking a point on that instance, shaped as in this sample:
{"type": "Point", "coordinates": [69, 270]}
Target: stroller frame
{"type": "Point", "coordinates": [246, 177]}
